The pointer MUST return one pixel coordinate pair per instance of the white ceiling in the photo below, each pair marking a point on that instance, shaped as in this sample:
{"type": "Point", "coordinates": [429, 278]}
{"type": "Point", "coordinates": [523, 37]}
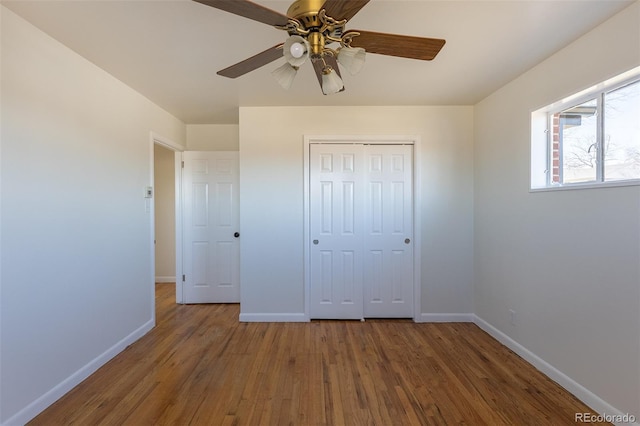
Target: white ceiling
{"type": "Point", "coordinates": [170, 50]}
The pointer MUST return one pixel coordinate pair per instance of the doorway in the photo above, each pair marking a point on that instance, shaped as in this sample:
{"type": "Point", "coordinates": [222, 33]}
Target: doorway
{"type": "Point", "coordinates": [360, 199]}
{"type": "Point", "coordinates": [164, 209]}
{"type": "Point", "coordinates": [163, 153]}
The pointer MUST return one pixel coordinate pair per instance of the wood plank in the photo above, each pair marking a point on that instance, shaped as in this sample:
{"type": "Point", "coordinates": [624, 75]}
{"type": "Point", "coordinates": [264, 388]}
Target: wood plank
{"type": "Point", "coordinates": [199, 366]}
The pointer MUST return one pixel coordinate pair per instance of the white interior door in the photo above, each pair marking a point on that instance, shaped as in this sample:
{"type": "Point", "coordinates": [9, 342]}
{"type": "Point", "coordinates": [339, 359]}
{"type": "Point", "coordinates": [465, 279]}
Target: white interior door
{"type": "Point", "coordinates": [336, 231]}
{"type": "Point", "coordinates": [211, 252]}
{"type": "Point", "coordinates": [388, 236]}
{"type": "Point", "coordinates": [361, 229]}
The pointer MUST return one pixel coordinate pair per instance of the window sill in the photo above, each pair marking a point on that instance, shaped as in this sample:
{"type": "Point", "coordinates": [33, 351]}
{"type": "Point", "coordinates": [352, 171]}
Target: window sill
{"type": "Point", "coordinates": [588, 185]}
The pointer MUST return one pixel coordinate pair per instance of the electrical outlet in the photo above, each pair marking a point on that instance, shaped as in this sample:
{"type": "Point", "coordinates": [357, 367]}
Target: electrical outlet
{"type": "Point", "coordinates": [512, 317]}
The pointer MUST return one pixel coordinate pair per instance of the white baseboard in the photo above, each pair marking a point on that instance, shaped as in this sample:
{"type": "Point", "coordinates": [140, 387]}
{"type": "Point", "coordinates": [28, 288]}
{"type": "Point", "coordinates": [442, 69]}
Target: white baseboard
{"type": "Point", "coordinates": [273, 318]}
{"type": "Point", "coordinates": [44, 401]}
{"type": "Point", "coordinates": [445, 318]}
{"type": "Point", "coordinates": [303, 318]}
{"type": "Point", "coordinates": [583, 394]}
{"type": "Point", "coordinates": [165, 279]}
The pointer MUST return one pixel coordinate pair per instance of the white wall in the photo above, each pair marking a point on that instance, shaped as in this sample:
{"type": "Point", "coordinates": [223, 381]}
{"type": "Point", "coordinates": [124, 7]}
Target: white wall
{"type": "Point", "coordinates": [271, 199]}
{"type": "Point", "coordinates": [212, 137]}
{"type": "Point", "coordinates": [76, 276]}
{"type": "Point", "coordinates": [567, 262]}
{"type": "Point", "coordinates": [164, 183]}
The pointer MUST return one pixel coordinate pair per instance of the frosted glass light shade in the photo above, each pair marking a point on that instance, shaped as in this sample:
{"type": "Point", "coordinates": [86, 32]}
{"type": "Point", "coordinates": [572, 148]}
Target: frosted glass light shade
{"type": "Point", "coordinates": [352, 58]}
{"type": "Point", "coordinates": [285, 74]}
{"type": "Point", "coordinates": [296, 50]}
{"type": "Point", "coordinates": [331, 81]}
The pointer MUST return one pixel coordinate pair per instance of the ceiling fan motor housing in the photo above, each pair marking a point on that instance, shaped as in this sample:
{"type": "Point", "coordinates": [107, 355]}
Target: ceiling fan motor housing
{"type": "Point", "coordinates": [306, 12]}
{"type": "Point", "coordinates": [313, 23]}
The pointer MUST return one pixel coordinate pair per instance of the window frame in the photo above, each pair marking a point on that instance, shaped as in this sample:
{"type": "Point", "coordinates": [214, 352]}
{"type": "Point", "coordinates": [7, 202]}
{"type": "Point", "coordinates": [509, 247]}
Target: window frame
{"type": "Point", "coordinates": [599, 98]}
{"type": "Point", "coordinates": [542, 121]}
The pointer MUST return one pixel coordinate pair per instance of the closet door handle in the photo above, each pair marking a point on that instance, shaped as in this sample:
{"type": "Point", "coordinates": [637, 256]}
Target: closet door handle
{"type": "Point", "coordinates": [407, 240]}
{"type": "Point", "coordinates": [236, 234]}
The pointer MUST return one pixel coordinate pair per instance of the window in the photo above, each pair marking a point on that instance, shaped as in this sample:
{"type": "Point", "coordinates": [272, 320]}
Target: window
{"type": "Point", "coordinates": [591, 138]}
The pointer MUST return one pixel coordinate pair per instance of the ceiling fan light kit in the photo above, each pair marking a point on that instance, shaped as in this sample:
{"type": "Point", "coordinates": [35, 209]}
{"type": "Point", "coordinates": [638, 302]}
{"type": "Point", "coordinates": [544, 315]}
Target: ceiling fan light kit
{"type": "Point", "coordinates": [352, 58]}
{"type": "Point", "coordinates": [316, 31]}
{"type": "Point", "coordinates": [331, 81]}
{"type": "Point", "coordinates": [296, 50]}
{"type": "Point", "coordinates": [285, 75]}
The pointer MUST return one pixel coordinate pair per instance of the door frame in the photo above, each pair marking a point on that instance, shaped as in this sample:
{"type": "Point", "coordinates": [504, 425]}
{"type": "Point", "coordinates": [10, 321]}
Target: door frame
{"type": "Point", "coordinates": [417, 202]}
{"type": "Point", "coordinates": [177, 149]}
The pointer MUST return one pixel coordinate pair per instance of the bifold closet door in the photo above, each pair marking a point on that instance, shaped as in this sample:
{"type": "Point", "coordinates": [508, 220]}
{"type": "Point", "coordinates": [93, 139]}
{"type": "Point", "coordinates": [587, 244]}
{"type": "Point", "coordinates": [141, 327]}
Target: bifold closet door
{"type": "Point", "coordinates": [361, 231]}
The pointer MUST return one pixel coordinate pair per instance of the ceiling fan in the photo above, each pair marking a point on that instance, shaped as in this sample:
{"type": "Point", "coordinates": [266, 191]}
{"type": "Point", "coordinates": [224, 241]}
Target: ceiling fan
{"type": "Point", "coordinates": [314, 26]}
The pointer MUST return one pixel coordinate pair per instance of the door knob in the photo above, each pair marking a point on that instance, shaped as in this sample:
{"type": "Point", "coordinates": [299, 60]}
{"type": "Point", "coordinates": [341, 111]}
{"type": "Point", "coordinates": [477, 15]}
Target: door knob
{"type": "Point", "coordinates": [407, 241]}
{"type": "Point", "coordinates": [236, 234]}
{"type": "Point", "coordinates": [315, 242]}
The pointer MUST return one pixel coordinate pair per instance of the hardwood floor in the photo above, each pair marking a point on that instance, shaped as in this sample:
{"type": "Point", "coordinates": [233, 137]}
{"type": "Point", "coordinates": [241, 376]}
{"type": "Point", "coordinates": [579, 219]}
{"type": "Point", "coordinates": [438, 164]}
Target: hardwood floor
{"type": "Point", "coordinates": [200, 366]}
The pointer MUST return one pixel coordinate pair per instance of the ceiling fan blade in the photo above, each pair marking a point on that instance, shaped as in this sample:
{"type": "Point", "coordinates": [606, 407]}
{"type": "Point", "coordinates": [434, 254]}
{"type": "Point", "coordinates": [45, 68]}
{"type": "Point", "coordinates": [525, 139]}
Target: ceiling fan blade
{"type": "Point", "coordinates": [249, 10]}
{"type": "Point", "coordinates": [252, 63]}
{"type": "Point", "coordinates": [397, 45]}
{"type": "Point", "coordinates": [318, 65]}
{"type": "Point", "coordinates": [343, 9]}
